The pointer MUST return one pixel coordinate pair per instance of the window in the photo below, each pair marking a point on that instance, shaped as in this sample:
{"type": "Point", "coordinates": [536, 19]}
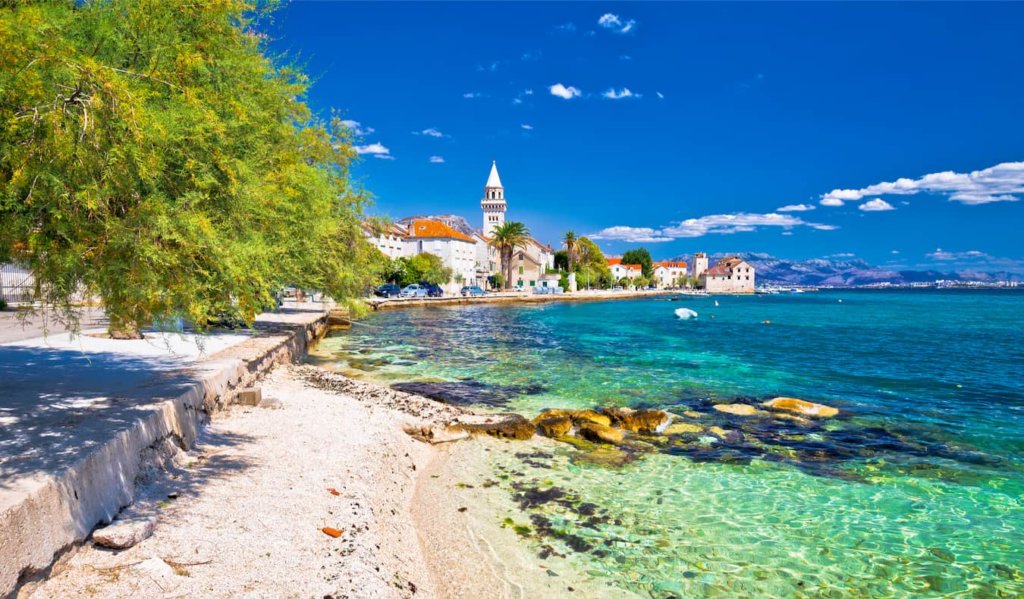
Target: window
{"type": "Point", "coordinates": [533, 283]}
{"type": "Point", "coordinates": [520, 270]}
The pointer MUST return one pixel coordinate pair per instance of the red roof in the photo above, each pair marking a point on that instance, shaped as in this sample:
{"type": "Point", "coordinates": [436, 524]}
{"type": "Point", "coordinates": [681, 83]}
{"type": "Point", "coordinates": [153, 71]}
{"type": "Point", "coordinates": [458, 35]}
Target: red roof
{"type": "Point", "coordinates": [437, 230]}
{"type": "Point", "coordinates": [667, 264]}
{"type": "Point", "coordinates": [724, 267]}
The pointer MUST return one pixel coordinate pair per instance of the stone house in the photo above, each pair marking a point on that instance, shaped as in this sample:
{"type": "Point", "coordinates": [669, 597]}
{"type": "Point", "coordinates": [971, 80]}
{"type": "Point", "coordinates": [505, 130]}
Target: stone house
{"type": "Point", "coordinates": [730, 275]}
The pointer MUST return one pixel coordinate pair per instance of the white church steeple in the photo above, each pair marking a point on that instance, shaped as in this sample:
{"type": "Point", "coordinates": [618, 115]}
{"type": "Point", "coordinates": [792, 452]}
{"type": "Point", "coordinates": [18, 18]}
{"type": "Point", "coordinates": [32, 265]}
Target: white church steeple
{"type": "Point", "coordinates": [493, 203]}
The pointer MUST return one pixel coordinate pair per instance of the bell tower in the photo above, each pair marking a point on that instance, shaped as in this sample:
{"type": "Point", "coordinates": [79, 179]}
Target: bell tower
{"type": "Point", "coordinates": [493, 202]}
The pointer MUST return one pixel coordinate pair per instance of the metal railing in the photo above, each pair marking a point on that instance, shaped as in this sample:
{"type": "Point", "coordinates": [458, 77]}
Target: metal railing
{"type": "Point", "coordinates": [16, 283]}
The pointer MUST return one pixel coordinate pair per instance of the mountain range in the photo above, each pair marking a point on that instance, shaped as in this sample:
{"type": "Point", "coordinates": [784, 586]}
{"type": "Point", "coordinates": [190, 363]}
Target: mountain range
{"type": "Point", "coordinates": [849, 272]}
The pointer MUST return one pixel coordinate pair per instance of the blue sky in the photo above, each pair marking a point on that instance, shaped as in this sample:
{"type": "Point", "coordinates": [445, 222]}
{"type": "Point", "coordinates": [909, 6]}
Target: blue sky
{"type": "Point", "coordinates": [684, 127]}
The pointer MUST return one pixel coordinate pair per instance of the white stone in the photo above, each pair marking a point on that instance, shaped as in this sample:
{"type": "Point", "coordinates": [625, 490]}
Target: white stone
{"type": "Point", "coordinates": [122, 534]}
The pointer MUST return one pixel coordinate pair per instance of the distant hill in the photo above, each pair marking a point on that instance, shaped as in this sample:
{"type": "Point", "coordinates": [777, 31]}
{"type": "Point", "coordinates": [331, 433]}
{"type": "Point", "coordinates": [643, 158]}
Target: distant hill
{"type": "Point", "coordinates": [454, 221]}
{"type": "Point", "coordinates": [848, 273]}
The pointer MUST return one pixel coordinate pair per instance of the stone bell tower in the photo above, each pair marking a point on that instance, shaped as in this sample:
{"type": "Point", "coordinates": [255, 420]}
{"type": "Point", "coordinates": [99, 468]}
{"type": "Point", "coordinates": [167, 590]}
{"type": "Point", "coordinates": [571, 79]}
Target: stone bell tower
{"type": "Point", "coordinates": [493, 203]}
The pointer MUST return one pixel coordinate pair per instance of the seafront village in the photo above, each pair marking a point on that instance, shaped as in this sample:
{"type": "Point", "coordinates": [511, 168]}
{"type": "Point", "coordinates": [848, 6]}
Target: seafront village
{"type": "Point", "coordinates": [472, 257]}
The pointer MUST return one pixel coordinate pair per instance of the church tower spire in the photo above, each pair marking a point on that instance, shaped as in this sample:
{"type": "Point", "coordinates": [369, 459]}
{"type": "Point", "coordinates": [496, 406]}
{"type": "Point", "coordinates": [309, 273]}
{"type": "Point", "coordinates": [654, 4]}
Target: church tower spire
{"type": "Point", "coordinates": [493, 202]}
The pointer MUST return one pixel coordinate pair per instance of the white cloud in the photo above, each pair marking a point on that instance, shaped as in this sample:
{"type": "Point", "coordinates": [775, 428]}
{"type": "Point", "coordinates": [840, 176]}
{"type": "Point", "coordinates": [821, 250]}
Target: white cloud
{"type": "Point", "coordinates": [567, 28]}
{"type": "Point", "coordinates": [527, 127]}
{"type": "Point", "coordinates": [384, 156]}
{"type": "Point", "coordinates": [429, 132]}
{"type": "Point", "coordinates": [437, 159]}
{"type": "Point", "coordinates": [490, 67]}
{"type": "Point", "coordinates": [531, 55]}
{"type": "Point", "coordinates": [566, 93]}
{"type": "Point", "coordinates": [894, 252]}
{"type": "Point", "coordinates": [471, 95]}
{"type": "Point", "coordinates": [517, 100]}
{"type": "Point", "coordinates": [876, 205]}
{"type": "Point", "coordinates": [661, 96]}
{"type": "Point", "coordinates": [796, 208]}
{"type": "Point", "coordinates": [718, 224]}
{"type": "Point", "coordinates": [940, 254]}
{"type": "Point", "coordinates": [527, 92]}
{"type": "Point", "coordinates": [375, 149]}
{"type": "Point", "coordinates": [625, 57]}
{"type": "Point", "coordinates": [632, 234]}
{"type": "Point", "coordinates": [999, 183]}
{"type": "Point", "coordinates": [356, 127]}
{"type": "Point", "coordinates": [613, 94]}
{"type": "Point", "coordinates": [616, 24]}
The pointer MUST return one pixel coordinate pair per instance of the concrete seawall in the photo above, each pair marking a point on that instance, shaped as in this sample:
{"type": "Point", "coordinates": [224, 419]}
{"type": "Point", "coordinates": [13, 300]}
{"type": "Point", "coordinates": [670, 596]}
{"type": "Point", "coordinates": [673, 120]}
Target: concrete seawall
{"type": "Point", "coordinates": [514, 298]}
{"type": "Point", "coordinates": [46, 509]}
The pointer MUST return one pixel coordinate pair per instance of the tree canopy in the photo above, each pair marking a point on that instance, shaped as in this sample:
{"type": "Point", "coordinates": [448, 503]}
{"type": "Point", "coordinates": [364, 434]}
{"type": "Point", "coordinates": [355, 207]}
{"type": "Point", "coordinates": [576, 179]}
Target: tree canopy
{"type": "Point", "coordinates": [642, 257]}
{"type": "Point", "coordinates": [154, 155]}
{"type": "Point", "coordinates": [425, 268]}
{"type": "Point", "coordinates": [506, 239]}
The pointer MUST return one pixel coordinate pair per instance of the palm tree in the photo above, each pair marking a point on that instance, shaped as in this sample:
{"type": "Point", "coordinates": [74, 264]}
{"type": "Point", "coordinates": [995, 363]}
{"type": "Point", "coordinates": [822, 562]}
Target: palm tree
{"type": "Point", "coordinates": [506, 239]}
{"type": "Point", "coordinates": [572, 244]}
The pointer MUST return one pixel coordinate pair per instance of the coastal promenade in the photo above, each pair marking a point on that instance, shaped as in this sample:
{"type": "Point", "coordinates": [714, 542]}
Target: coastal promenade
{"type": "Point", "coordinates": [83, 416]}
{"type": "Point", "coordinates": [514, 297]}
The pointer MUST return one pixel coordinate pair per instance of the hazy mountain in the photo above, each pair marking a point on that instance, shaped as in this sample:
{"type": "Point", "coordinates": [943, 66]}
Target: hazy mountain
{"type": "Point", "coordinates": [454, 221]}
{"type": "Point", "coordinates": [848, 272]}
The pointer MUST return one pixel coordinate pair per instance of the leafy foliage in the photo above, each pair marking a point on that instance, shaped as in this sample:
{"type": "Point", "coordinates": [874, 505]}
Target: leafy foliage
{"type": "Point", "coordinates": [426, 268]}
{"type": "Point", "coordinates": [642, 257]}
{"type": "Point", "coordinates": [507, 238]}
{"type": "Point", "coordinates": [151, 153]}
{"type": "Point", "coordinates": [592, 267]}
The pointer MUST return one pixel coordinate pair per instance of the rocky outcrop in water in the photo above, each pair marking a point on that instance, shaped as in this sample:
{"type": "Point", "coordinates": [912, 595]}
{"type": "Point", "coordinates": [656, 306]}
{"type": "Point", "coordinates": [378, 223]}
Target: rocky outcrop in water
{"type": "Point", "coordinates": [801, 407]}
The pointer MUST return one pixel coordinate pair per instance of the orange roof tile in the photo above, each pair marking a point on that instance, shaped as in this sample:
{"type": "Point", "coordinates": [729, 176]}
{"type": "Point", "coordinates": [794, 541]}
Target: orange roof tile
{"type": "Point", "coordinates": [434, 229]}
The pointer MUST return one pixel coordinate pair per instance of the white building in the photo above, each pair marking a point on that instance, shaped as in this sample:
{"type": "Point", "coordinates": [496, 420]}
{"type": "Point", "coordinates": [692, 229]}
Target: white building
{"type": "Point", "coordinates": [700, 264]}
{"type": "Point", "coordinates": [667, 274]}
{"type": "Point", "coordinates": [730, 275]}
{"type": "Point", "coordinates": [623, 271]}
{"type": "Point", "coordinates": [389, 239]}
{"type": "Point", "coordinates": [456, 250]}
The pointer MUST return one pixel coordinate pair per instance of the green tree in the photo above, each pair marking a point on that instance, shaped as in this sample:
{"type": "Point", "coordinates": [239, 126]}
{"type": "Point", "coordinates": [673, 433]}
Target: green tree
{"type": "Point", "coordinates": [592, 267]}
{"type": "Point", "coordinates": [561, 260]}
{"type": "Point", "coordinates": [394, 270]}
{"type": "Point", "coordinates": [427, 268]}
{"type": "Point", "coordinates": [506, 239]}
{"type": "Point", "coordinates": [154, 155]}
{"type": "Point", "coordinates": [642, 257]}
{"type": "Point", "coordinates": [571, 247]}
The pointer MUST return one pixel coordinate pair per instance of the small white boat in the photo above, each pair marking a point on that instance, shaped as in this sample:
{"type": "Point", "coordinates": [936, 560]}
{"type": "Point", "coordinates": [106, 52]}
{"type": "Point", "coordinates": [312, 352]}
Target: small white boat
{"type": "Point", "coordinates": [716, 303]}
{"type": "Point", "coordinates": [686, 313]}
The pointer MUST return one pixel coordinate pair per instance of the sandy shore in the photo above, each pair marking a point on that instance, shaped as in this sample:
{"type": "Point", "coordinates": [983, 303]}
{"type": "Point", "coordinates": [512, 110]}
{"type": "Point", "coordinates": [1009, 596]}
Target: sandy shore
{"type": "Point", "coordinates": [242, 514]}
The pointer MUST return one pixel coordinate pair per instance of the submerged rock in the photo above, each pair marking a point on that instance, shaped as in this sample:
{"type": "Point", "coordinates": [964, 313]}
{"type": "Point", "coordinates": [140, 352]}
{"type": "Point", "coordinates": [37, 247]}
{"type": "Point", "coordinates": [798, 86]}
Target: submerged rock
{"type": "Point", "coordinates": [799, 406]}
{"type": "Point", "coordinates": [506, 426]}
{"type": "Point", "coordinates": [680, 428]}
{"type": "Point", "coordinates": [556, 426]}
{"type": "Point", "coordinates": [600, 433]}
{"type": "Point", "coordinates": [605, 456]}
{"type": "Point", "coordinates": [591, 416]}
{"type": "Point", "coordinates": [739, 409]}
{"type": "Point", "coordinates": [639, 421]}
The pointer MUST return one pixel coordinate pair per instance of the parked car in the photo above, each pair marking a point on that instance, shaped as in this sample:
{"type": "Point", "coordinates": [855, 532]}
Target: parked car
{"type": "Point", "coordinates": [414, 290]}
{"type": "Point", "coordinates": [388, 290]}
{"type": "Point", "coordinates": [472, 290]}
{"type": "Point", "coordinates": [432, 290]}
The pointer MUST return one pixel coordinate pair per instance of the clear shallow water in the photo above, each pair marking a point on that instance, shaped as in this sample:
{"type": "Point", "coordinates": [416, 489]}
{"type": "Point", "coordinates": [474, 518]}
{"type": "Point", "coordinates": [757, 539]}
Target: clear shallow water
{"type": "Point", "coordinates": [918, 487]}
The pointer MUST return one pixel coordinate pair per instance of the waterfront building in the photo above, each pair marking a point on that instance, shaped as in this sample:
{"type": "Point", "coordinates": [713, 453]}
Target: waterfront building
{"type": "Point", "coordinates": [731, 275]}
{"type": "Point", "coordinates": [389, 239]}
{"type": "Point", "coordinates": [623, 271]}
{"type": "Point", "coordinates": [700, 264]}
{"type": "Point", "coordinates": [668, 273]}
{"type": "Point", "coordinates": [456, 250]}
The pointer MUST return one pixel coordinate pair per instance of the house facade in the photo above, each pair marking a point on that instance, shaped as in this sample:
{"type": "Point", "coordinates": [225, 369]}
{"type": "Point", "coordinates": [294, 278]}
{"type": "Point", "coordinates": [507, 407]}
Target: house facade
{"type": "Point", "coordinates": [730, 275]}
{"type": "Point", "coordinates": [667, 273]}
{"type": "Point", "coordinates": [389, 239]}
{"type": "Point", "coordinates": [624, 271]}
{"type": "Point", "coordinates": [456, 250]}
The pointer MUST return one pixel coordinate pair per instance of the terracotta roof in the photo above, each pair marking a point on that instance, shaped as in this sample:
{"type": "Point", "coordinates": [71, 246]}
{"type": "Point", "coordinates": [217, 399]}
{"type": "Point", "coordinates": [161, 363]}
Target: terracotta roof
{"type": "Point", "coordinates": [724, 267]}
{"type": "Point", "coordinates": [614, 261]}
{"type": "Point", "coordinates": [667, 264]}
{"type": "Point", "coordinates": [437, 230]}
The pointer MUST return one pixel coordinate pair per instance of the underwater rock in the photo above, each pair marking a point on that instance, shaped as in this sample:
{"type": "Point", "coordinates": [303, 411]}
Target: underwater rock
{"type": "Point", "coordinates": [600, 433]}
{"type": "Point", "coordinates": [791, 417]}
{"type": "Point", "coordinates": [639, 421]}
{"type": "Point", "coordinates": [506, 426]}
{"type": "Point", "coordinates": [553, 413]}
{"type": "Point", "coordinates": [799, 406]}
{"type": "Point", "coordinates": [556, 426]}
{"type": "Point", "coordinates": [437, 433]}
{"type": "Point", "coordinates": [739, 409]}
{"type": "Point", "coordinates": [605, 456]}
{"type": "Point", "coordinates": [680, 428]}
{"type": "Point", "coordinates": [467, 393]}
{"type": "Point", "coordinates": [591, 416]}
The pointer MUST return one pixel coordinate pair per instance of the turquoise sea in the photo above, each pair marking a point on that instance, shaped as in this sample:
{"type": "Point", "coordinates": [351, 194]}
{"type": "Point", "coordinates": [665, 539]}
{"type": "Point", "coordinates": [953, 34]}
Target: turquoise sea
{"type": "Point", "coordinates": [915, 489]}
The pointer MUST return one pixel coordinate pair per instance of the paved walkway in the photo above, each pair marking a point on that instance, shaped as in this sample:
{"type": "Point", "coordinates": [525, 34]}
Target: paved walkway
{"type": "Point", "coordinates": [74, 408]}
